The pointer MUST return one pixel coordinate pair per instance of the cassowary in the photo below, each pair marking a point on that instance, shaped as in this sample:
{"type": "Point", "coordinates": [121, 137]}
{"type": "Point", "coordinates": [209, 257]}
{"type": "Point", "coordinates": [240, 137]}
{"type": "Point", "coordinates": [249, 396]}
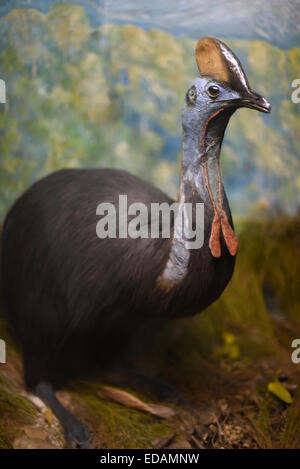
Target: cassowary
{"type": "Point", "coordinates": [75, 299]}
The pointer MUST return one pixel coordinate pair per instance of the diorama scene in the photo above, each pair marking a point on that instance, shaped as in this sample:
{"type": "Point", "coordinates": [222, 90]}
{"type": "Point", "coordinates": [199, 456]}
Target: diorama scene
{"type": "Point", "coordinates": [131, 342]}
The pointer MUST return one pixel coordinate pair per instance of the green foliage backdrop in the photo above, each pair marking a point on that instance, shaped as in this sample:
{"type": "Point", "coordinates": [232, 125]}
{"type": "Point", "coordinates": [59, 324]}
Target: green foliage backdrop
{"type": "Point", "coordinates": [111, 96]}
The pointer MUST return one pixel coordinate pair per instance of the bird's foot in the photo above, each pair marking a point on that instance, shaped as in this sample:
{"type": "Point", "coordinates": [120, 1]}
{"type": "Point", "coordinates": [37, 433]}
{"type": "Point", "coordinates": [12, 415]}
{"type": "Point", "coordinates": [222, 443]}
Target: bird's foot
{"type": "Point", "coordinates": [76, 433]}
{"type": "Point", "coordinates": [78, 436]}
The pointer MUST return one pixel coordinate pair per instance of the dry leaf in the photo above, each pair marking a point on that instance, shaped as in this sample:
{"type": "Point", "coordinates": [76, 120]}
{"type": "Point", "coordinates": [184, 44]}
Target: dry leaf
{"type": "Point", "coordinates": [35, 433]}
{"type": "Point", "coordinates": [31, 443]}
{"type": "Point", "coordinates": [212, 428]}
{"type": "Point", "coordinates": [128, 400]}
{"type": "Point", "coordinates": [276, 388]}
{"type": "Point", "coordinates": [223, 406]}
{"type": "Point", "coordinates": [196, 442]}
{"type": "Point", "coordinates": [180, 444]}
{"type": "Point", "coordinates": [48, 416]}
{"type": "Point", "coordinates": [200, 430]}
{"type": "Point", "coordinates": [161, 443]}
{"type": "Point", "coordinates": [207, 417]}
{"type": "Point", "coordinates": [230, 347]}
{"type": "Point", "coordinates": [36, 401]}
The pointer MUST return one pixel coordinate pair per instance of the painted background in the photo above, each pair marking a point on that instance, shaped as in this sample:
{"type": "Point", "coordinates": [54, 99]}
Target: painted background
{"type": "Point", "coordinates": [101, 83]}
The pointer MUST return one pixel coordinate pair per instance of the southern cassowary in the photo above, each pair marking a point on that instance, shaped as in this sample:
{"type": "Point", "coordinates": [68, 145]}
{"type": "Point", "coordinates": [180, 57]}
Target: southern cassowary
{"type": "Point", "coordinates": [75, 299]}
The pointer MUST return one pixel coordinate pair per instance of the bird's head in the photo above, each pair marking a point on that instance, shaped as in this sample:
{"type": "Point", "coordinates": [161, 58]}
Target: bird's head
{"type": "Point", "coordinates": [222, 86]}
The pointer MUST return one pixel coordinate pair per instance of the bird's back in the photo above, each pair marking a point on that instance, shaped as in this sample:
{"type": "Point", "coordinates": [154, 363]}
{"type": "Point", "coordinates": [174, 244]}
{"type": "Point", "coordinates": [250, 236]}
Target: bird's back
{"type": "Point", "coordinates": [60, 280]}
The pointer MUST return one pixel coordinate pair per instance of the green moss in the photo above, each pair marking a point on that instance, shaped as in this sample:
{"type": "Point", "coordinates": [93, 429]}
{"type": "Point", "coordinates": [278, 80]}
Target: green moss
{"type": "Point", "coordinates": [117, 426]}
{"type": "Point", "coordinates": [10, 401]}
{"type": "Point", "coordinates": [15, 412]}
{"type": "Point", "coordinates": [290, 437]}
{"type": "Point", "coordinates": [5, 442]}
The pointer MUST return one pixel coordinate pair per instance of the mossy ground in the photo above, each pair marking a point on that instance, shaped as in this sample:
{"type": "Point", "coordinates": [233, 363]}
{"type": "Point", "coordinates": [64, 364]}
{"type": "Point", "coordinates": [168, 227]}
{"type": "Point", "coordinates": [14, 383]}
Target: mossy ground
{"type": "Point", "coordinates": [222, 360]}
{"type": "Point", "coordinates": [15, 412]}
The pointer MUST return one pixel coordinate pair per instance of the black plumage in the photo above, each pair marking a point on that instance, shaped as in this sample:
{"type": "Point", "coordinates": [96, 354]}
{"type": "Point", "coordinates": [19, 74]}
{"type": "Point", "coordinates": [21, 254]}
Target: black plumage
{"type": "Point", "coordinates": [72, 296]}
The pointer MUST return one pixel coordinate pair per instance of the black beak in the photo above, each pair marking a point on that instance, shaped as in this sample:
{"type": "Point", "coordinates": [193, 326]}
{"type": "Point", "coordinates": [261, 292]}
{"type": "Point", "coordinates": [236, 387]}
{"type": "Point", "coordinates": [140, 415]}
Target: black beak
{"type": "Point", "coordinates": [255, 100]}
{"type": "Point", "coordinates": [249, 99]}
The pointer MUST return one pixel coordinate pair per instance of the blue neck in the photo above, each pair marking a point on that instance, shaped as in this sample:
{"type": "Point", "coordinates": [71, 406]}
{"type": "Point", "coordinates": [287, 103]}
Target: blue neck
{"type": "Point", "coordinates": [200, 182]}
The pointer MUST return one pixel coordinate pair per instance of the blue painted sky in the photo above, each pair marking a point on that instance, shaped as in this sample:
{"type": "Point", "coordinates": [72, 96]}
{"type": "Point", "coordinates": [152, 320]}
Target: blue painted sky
{"type": "Point", "coordinates": [277, 21]}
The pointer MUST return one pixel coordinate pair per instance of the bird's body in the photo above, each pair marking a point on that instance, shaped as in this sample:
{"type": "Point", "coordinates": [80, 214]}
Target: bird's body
{"type": "Point", "coordinates": [74, 298]}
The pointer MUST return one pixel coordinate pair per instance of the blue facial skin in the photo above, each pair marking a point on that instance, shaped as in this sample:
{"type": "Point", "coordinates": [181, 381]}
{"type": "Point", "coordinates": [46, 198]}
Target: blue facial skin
{"type": "Point", "coordinates": [201, 107]}
{"type": "Point", "coordinates": [207, 108]}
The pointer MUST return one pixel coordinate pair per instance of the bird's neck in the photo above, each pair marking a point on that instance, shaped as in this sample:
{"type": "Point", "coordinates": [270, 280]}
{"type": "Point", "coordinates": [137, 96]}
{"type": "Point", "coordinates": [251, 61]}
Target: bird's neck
{"type": "Point", "coordinates": [200, 182]}
{"type": "Point", "coordinates": [200, 165]}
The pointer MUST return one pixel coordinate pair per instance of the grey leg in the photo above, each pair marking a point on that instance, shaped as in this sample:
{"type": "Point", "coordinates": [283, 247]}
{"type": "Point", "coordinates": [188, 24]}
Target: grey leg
{"type": "Point", "coordinates": [76, 433]}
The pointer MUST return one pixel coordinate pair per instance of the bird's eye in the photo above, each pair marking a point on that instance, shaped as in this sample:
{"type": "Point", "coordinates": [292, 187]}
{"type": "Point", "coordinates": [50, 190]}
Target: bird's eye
{"type": "Point", "coordinates": [192, 95]}
{"type": "Point", "coordinates": [213, 91]}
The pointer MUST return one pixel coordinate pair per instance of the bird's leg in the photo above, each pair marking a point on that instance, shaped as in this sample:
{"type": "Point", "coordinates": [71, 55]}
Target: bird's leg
{"type": "Point", "coordinates": [76, 433]}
